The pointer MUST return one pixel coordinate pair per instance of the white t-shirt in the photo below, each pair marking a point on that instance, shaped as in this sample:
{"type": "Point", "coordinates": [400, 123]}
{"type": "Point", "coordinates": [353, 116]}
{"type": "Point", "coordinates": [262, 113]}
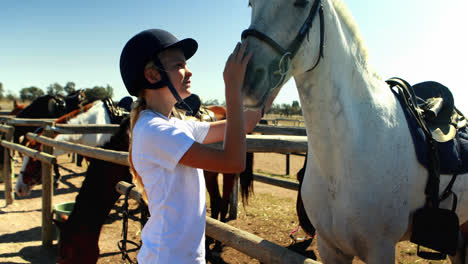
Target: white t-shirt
{"type": "Point", "coordinates": [175, 231]}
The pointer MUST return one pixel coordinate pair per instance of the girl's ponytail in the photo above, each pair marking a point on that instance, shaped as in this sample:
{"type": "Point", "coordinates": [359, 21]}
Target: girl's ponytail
{"type": "Point", "coordinates": [137, 107]}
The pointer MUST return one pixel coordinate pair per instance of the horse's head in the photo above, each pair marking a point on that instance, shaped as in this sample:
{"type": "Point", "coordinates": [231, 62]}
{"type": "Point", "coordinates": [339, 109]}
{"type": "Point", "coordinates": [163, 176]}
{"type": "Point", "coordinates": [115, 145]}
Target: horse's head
{"type": "Point", "coordinates": [74, 100]}
{"type": "Point", "coordinates": [30, 175]}
{"type": "Point", "coordinates": [56, 107]}
{"type": "Point", "coordinates": [75, 244]}
{"type": "Point", "coordinates": [278, 32]}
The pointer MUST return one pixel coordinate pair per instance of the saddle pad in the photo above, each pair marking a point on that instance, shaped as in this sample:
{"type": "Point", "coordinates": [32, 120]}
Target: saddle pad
{"type": "Point", "coordinates": [453, 154]}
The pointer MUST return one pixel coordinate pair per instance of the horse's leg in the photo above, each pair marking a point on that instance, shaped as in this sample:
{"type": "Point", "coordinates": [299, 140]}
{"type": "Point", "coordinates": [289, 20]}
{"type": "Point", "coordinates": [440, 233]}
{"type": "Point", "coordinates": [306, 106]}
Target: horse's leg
{"type": "Point", "coordinates": [229, 180]}
{"type": "Point", "coordinates": [330, 254]}
{"type": "Point", "coordinates": [56, 176]}
{"type": "Point", "coordinates": [211, 181]}
{"type": "Point", "coordinates": [79, 160]}
{"type": "Point", "coordinates": [382, 252]}
{"type": "Point", "coordinates": [461, 256]}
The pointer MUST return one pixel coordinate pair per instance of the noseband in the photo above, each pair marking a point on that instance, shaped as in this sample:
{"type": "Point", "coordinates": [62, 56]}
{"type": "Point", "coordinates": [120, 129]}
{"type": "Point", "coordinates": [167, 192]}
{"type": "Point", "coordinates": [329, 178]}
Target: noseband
{"type": "Point", "coordinates": [290, 52]}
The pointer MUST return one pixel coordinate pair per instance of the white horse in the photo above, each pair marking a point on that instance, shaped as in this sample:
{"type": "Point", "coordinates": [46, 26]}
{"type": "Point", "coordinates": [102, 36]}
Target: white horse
{"type": "Point", "coordinates": [363, 181]}
{"type": "Point", "coordinates": [97, 114]}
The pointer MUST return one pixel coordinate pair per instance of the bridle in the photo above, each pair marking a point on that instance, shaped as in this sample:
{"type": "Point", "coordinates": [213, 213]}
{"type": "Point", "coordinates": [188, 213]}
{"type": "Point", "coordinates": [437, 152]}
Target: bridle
{"type": "Point", "coordinates": [288, 54]}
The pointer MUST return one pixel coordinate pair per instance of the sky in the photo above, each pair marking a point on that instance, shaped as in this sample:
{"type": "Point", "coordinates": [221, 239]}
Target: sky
{"type": "Point", "coordinates": [43, 42]}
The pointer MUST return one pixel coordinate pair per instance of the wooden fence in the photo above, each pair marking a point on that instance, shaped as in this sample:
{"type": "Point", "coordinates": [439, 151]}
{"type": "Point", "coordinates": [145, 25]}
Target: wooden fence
{"type": "Point", "coordinates": [249, 244]}
{"type": "Point", "coordinates": [294, 141]}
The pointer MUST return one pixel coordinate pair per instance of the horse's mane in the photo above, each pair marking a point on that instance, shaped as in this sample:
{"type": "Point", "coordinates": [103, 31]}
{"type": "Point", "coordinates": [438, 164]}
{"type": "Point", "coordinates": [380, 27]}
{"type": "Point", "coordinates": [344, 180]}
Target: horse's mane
{"type": "Point", "coordinates": [347, 18]}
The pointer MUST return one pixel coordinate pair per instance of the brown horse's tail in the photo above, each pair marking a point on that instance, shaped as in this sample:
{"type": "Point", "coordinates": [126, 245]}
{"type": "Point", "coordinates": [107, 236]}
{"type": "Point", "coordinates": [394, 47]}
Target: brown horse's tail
{"type": "Point", "coordinates": [246, 179]}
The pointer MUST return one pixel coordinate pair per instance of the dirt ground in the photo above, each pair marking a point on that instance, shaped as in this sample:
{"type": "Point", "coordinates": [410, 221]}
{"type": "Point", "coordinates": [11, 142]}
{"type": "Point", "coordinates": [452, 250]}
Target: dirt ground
{"type": "Point", "coordinates": [270, 214]}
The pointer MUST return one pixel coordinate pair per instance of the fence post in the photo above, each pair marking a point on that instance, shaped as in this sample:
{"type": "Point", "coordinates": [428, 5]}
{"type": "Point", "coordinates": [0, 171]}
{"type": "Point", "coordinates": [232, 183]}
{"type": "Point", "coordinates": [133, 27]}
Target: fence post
{"type": "Point", "coordinates": [288, 159]}
{"type": "Point", "coordinates": [8, 168]}
{"type": "Point", "coordinates": [234, 199]}
{"type": "Point", "coordinates": [47, 193]}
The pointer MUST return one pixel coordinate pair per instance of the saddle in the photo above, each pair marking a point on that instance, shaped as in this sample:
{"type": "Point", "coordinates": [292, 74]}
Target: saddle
{"type": "Point", "coordinates": [197, 111]}
{"type": "Point", "coordinates": [116, 114]}
{"type": "Point", "coordinates": [438, 109]}
{"type": "Point", "coordinates": [440, 138]}
{"type": "Point", "coordinates": [446, 124]}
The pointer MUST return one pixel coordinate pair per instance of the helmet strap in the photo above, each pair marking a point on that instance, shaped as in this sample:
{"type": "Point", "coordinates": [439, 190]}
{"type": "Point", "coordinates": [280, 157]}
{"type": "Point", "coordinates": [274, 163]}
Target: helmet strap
{"type": "Point", "coordinates": [166, 82]}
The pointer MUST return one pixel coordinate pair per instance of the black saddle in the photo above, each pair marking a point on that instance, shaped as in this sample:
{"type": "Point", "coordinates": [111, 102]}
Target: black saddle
{"type": "Point", "coordinates": [440, 139]}
{"type": "Point", "coordinates": [116, 114]}
{"type": "Point", "coordinates": [437, 105]}
{"type": "Point", "coordinates": [197, 110]}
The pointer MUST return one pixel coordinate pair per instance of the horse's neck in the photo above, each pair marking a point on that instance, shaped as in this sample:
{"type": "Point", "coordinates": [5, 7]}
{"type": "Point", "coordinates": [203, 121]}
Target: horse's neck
{"type": "Point", "coordinates": [344, 103]}
{"type": "Point", "coordinates": [97, 114]}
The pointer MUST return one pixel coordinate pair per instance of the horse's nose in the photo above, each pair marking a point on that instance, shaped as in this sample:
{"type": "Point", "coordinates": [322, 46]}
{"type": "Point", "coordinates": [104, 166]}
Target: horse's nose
{"type": "Point", "coordinates": [255, 81]}
{"type": "Point", "coordinates": [253, 87]}
{"type": "Point", "coordinates": [259, 76]}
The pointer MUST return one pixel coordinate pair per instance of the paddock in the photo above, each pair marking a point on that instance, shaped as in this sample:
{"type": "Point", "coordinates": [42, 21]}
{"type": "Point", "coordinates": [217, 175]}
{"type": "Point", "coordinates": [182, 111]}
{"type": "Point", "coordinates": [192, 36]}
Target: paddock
{"type": "Point", "coordinates": [256, 143]}
{"type": "Point", "coordinates": [262, 226]}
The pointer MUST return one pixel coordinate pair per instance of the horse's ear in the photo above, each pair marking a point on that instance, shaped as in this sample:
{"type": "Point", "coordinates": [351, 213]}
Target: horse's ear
{"type": "Point", "coordinates": [51, 106]}
{"type": "Point", "coordinates": [15, 104]}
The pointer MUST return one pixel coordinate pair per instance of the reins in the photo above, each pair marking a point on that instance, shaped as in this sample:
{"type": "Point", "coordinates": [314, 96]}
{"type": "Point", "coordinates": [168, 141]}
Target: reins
{"type": "Point", "coordinates": [122, 244]}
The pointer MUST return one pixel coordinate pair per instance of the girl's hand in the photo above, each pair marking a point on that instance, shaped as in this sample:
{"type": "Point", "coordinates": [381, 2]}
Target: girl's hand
{"type": "Point", "coordinates": [234, 71]}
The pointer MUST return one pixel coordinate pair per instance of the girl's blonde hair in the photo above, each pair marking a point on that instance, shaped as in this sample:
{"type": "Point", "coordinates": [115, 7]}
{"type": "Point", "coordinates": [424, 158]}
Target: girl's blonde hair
{"type": "Point", "coordinates": [138, 106]}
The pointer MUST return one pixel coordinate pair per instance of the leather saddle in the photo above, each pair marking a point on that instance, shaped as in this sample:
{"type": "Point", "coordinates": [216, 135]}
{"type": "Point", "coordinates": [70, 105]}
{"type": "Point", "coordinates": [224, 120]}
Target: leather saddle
{"type": "Point", "coordinates": [431, 115]}
{"type": "Point", "coordinates": [437, 106]}
{"type": "Point", "coordinates": [197, 111]}
{"type": "Point", "coordinates": [116, 114]}
{"type": "Point", "coordinates": [440, 139]}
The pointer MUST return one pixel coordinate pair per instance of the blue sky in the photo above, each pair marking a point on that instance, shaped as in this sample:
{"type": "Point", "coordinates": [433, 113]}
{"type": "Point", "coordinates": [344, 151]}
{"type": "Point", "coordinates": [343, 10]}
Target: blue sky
{"type": "Point", "coordinates": [43, 42]}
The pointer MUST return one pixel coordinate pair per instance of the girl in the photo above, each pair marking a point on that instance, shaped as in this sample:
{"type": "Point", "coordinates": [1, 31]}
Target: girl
{"type": "Point", "coordinates": [167, 155]}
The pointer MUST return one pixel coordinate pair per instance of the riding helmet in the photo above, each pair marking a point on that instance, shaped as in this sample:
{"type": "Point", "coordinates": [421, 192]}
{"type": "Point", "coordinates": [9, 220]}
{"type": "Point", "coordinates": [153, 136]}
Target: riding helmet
{"type": "Point", "coordinates": [143, 48]}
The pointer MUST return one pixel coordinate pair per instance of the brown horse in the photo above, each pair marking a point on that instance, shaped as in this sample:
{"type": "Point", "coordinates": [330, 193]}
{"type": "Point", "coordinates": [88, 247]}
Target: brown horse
{"type": "Point", "coordinates": [79, 235]}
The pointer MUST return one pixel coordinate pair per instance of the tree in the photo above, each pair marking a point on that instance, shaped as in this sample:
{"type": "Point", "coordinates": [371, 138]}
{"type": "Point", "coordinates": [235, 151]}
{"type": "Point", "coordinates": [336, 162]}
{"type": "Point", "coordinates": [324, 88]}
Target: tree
{"type": "Point", "coordinates": [296, 108]}
{"type": "Point", "coordinates": [55, 89]}
{"type": "Point", "coordinates": [99, 93]}
{"type": "Point", "coordinates": [69, 88]}
{"type": "Point", "coordinates": [109, 91]}
{"type": "Point", "coordinates": [10, 96]}
{"type": "Point", "coordinates": [1, 91]}
{"type": "Point", "coordinates": [30, 93]}
{"type": "Point", "coordinates": [211, 102]}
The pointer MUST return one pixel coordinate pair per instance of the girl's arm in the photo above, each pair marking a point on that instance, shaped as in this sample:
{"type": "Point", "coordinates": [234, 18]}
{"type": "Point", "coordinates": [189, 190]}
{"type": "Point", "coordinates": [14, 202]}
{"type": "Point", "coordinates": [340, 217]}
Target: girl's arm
{"type": "Point", "coordinates": [218, 128]}
{"type": "Point", "coordinates": [232, 157]}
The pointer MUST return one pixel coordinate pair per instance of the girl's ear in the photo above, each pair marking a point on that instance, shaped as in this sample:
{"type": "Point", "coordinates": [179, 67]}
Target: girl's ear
{"type": "Point", "coordinates": [152, 75]}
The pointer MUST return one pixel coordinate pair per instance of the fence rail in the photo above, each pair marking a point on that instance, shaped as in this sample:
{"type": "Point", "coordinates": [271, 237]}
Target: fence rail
{"type": "Point", "coordinates": [293, 140]}
{"type": "Point", "coordinates": [119, 157]}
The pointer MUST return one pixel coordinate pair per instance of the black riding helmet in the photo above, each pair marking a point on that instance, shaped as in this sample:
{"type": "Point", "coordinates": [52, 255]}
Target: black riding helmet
{"type": "Point", "coordinates": [143, 48]}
